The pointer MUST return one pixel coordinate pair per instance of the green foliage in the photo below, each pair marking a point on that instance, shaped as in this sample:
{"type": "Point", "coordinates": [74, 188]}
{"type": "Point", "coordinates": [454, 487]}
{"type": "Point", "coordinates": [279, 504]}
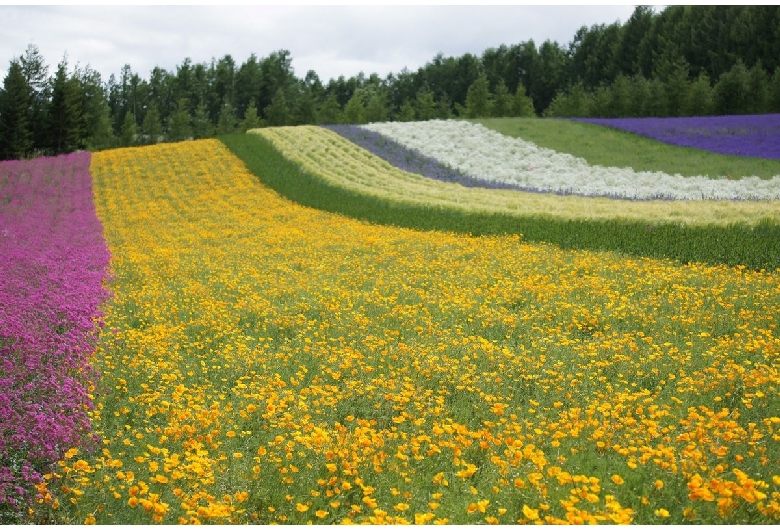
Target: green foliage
{"type": "Point", "coordinates": [355, 109]}
{"type": "Point", "coordinates": [407, 112]}
{"type": "Point", "coordinates": [376, 108]}
{"type": "Point", "coordinates": [179, 126]}
{"type": "Point", "coordinates": [732, 91]}
{"type": "Point", "coordinates": [16, 138]}
{"type": "Point", "coordinates": [424, 105]}
{"type": "Point", "coordinates": [684, 60]}
{"type": "Point", "coordinates": [227, 121]}
{"type": "Point", "coordinates": [201, 124]}
{"type": "Point", "coordinates": [755, 247]}
{"type": "Point", "coordinates": [151, 128]}
{"type": "Point", "coordinates": [478, 99]}
{"type": "Point", "coordinates": [330, 111]}
{"type": "Point", "coordinates": [129, 131]}
{"type": "Point", "coordinates": [66, 131]}
{"type": "Point", "coordinates": [574, 103]}
{"type": "Point", "coordinates": [522, 106]}
{"type": "Point", "coordinates": [502, 100]}
{"type": "Point", "coordinates": [251, 120]}
{"type": "Point", "coordinates": [700, 101]}
{"type": "Point", "coordinates": [278, 113]}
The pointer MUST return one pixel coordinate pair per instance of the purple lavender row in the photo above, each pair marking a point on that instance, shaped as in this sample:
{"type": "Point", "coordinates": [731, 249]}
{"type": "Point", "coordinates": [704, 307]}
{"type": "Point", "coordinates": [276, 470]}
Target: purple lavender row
{"type": "Point", "coordinates": [748, 136]}
{"type": "Point", "coordinates": [53, 261]}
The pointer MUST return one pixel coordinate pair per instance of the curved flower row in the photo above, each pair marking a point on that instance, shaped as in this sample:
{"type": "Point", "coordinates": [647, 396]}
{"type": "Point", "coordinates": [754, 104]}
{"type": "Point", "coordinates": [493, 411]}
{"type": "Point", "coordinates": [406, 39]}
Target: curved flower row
{"type": "Point", "coordinates": [53, 260]}
{"type": "Point", "coordinates": [269, 363]}
{"type": "Point", "coordinates": [340, 162]}
{"type": "Point", "coordinates": [493, 157]}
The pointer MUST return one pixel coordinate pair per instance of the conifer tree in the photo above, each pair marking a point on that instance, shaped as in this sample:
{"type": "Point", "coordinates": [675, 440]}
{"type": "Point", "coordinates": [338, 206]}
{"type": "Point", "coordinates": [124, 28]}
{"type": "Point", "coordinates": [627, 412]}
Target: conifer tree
{"type": "Point", "coordinates": [129, 131]}
{"type": "Point", "coordinates": [179, 127]}
{"type": "Point", "coordinates": [227, 121]}
{"type": "Point", "coordinates": [522, 105]}
{"type": "Point", "coordinates": [16, 139]}
{"type": "Point", "coordinates": [65, 132]}
{"type": "Point", "coordinates": [151, 127]}
{"type": "Point", "coordinates": [355, 110]}
{"type": "Point", "coordinates": [478, 101]}
{"type": "Point", "coordinates": [502, 100]}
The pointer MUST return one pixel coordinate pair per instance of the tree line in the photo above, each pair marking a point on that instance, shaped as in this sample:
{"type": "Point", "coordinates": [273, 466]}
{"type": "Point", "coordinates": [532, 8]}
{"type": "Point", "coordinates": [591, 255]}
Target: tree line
{"type": "Point", "coordinates": [685, 60]}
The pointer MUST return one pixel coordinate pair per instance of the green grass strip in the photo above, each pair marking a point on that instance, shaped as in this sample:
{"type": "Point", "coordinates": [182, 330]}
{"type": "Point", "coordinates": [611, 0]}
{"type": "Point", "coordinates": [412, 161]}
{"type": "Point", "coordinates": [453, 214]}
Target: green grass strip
{"type": "Point", "coordinates": [603, 146]}
{"type": "Point", "coordinates": [756, 247]}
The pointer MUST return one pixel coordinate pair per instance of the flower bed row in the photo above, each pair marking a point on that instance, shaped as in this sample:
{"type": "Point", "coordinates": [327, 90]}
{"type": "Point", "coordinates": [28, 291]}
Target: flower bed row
{"type": "Point", "coordinates": [495, 158]}
{"type": "Point", "coordinates": [53, 261]}
{"type": "Point", "coordinates": [342, 163]}
{"type": "Point", "coordinates": [270, 363]}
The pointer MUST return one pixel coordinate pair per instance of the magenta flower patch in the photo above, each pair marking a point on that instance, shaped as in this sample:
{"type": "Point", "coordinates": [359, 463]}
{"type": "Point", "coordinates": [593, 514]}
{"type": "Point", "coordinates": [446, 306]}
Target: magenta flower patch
{"type": "Point", "coordinates": [53, 261]}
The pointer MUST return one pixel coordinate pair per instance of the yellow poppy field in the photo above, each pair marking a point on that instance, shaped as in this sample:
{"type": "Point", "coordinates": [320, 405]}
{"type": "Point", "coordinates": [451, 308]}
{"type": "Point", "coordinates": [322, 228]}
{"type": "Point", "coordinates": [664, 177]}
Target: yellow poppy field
{"type": "Point", "coordinates": [264, 362]}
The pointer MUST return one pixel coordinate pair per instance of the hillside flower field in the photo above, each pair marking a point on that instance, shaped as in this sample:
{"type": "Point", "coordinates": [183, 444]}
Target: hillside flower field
{"type": "Point", "coordinates": [485, 154]}
{"type": "Point", "coordinates": [342, 163]}
{"type": "Point", "coordinates": [243, 358]}
{"type": "Point", "coordinates": [265, 362]}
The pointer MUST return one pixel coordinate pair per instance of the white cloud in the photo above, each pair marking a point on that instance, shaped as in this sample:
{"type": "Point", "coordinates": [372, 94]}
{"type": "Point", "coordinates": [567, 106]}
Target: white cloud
{"type": "Point", "coordinates": [332, 41]}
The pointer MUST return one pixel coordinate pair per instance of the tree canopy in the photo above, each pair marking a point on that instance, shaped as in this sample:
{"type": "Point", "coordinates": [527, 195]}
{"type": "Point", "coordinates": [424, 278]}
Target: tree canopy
{"type": "Point", "coordinates": [685, 60]}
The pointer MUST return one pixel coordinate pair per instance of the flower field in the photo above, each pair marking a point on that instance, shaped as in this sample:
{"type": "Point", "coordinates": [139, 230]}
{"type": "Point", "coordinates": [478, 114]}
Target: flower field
{"type": "Point", "coordinates": [265, 362]}
{"type": "Point", "coordinates": [343, 164]}
{"type": "Point", "coordinates": [750, 135]}
{"type": "Point", "coordinates": [53, 261]}
{"type": "Point", "coordinates": [494, 158]}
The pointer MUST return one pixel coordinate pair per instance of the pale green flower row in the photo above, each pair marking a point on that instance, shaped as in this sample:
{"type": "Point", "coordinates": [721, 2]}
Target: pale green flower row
{"type": "Point", "coordinates": [338, 161]}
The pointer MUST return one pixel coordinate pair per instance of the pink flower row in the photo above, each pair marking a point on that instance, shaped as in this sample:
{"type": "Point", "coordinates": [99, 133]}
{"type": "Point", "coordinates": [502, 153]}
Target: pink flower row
{"type": "Point", "coordinates": [53, 262]}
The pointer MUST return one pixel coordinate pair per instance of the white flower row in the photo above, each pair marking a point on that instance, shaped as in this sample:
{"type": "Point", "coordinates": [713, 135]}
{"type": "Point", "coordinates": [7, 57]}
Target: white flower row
{"type": "Point", "coordinates": [488, 155]}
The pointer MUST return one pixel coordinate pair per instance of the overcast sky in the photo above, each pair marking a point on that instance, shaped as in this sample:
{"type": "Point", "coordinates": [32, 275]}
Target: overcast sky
{"type": "Point", "coordinates": [332, 41]}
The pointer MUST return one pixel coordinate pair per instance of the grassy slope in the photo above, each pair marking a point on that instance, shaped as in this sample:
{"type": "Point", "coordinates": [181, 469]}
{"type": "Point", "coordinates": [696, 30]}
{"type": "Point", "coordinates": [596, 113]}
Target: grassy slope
{"type": "Point", "coordinates": [757, 248]}
{"type": "Point", "coordinates": [608, 147]}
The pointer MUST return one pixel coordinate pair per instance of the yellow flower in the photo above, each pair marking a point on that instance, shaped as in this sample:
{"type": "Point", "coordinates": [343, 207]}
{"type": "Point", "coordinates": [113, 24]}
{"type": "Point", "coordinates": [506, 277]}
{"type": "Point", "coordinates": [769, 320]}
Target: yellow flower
{"type": "Point", "coordinates": [617, 479]}
{"type": "Point", "coordinates": [301, 507]}
{"type": "Point", "coordinates": [662, 512]}
{"type": "Point", "coordinates": [530, 513]}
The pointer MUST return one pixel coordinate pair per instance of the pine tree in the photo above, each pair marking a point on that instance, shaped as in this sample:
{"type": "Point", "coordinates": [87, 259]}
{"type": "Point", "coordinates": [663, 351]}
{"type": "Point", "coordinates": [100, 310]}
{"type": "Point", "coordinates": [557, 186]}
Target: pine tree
{"type": "Point", "coordinates": [128, 135]}
{"type": "Point", "coordinates": [407, 112]}
{"type": "Point", "coordinates": [36, 74]}
{"type": "Point", "coordinates": [502, 100]}
{"type": "Point", "coordinates": [329, 112]}
{"type": "Point", "coordinates": [277, 113]}
{"type": "Point", "coordinates": [376, 108]}
{"type": "Point", "coordinates": [355, 109]}
{"type": "Point", "coordinates": [16, 138]}
{"type": "Point", "coordinates": [66, 132]}
{"type": "Point", "coordinates": [201, 124]}
{"type": "Point", "coordinates": [251, 120]}
{"type": "Point", "coordinates": [227, 121]}
{"type": "Point", "coordinates": [151, 127]}
{"type": "Point", "coordinates": [478, 100]}
{"type": "Point", "coordinates": [179, 127]}
{"type": "Point", "coordinates": [521, 105]}
{"type": "Point", "coordinates": [424, 105]}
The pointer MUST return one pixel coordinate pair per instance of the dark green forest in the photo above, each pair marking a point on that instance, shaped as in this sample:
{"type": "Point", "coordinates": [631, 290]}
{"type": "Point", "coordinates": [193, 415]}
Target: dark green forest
{"type": "Point", "coordinates": [682, 61]}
